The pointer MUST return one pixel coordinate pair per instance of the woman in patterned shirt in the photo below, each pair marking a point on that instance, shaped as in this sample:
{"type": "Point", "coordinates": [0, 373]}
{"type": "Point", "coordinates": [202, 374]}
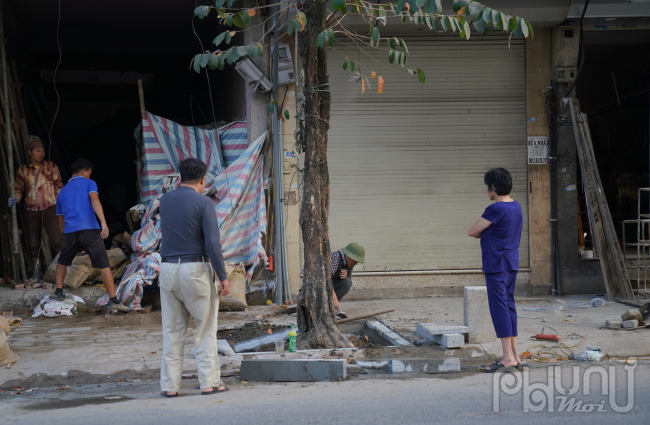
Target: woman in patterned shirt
{"type": "Point", "coordinates": [38, 183]}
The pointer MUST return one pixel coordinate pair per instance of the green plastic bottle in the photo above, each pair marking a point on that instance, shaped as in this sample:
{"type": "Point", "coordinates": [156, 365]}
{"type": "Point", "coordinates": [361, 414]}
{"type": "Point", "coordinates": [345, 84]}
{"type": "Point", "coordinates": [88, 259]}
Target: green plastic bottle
{"type": "Point", "coordinates": [292, 339]}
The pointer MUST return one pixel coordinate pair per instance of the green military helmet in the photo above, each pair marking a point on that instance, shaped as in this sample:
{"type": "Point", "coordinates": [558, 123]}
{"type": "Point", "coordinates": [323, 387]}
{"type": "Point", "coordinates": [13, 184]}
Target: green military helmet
{"type": "Point", "coordinates": [355, 252]}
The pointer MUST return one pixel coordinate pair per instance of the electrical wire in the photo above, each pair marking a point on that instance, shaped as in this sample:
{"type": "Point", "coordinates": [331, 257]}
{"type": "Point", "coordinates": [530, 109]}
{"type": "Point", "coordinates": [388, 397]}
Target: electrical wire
{"type": "Point", "coordinates": [581, 52]}
{"type": "Point", "coordinates": [560, 351]}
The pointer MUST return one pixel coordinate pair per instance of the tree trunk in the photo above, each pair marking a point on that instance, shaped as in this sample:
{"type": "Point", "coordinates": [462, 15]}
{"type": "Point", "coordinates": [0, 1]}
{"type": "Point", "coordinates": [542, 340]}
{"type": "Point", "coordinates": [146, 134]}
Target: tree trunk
{"type": "Point", "coordinates": [316, 315]}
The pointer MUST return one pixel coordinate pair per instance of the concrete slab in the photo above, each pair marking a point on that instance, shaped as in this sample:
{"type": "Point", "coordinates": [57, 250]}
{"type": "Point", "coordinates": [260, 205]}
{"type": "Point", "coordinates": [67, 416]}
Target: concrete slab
{"type": "Point", "coordinates": [224, 348]}
{"type": "Point", "coordinates": [412, 365]}
{"type": "Point", "coordinates": [423, 365]}
{"type": "Point", "coordinates": [387, 333]}
{"type": "Point", "coordinates": [428, 330]}
{"type": "Point", "coordinates": [254, 343]}
{"type": "Point", "coordinates": [449, 340]}
{"type": "Point", "coordinates": [293, 370]}
{"type": "Point", "coordinates": [477, 315]}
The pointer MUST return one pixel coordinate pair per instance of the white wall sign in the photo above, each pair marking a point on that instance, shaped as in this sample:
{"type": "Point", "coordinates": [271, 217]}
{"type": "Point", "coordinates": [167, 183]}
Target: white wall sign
{"type": "Point", "coordinates": [538, 150]}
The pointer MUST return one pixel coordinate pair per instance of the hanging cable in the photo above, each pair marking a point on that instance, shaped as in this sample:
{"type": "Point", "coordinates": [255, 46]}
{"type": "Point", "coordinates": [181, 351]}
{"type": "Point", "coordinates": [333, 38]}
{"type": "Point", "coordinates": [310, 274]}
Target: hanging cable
{"type": "Point", "coordinates": [581, 50]}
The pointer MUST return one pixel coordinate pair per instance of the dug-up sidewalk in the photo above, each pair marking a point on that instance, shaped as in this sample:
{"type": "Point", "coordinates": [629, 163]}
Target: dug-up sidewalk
{"type": "Point", "coordinates": [92, 347]}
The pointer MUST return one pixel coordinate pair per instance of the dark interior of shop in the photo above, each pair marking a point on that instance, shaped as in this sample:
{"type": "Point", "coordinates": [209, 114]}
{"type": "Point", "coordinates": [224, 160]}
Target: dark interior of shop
{"type": "Point", "coordinates": [613, 91]}
{"type": "Point", "coordinates": [105, 47]}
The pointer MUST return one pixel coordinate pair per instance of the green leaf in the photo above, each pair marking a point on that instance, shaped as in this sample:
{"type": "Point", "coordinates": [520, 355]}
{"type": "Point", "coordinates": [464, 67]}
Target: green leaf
{"type": "Point", "coordinates": [351, 66]}
{"type": "Point", "coordinates": [467, 29]}
{"type": "Point", "coordinates": [202, 11]}
{"type": "Point", "coordinates": [403, 44]}
{"type": "Point", "coordinates": [436, 23]}
{"type": "Point", "coordinates": [330, 36]}
{"type": "Point", "coordinates": [234, 55]}
{"type": "Point", "coordinates": [245, 17]}
{"type": "Point", "coordinates": [375, 33]}
{"type": "Point", "coordinates": [391, 44]}
{"type": "Point", "coordinates": [194, 58]}
{"type": "Point", "coordinates": [504, 21]}
{"type": "Point", "coordinates": [524, 27]}
{"type": "Point", "coordinates": [217, 41]}
{"type": "Point", "coordinates": [271, 105]}
{"type": "Point", "coordinates": [221, 12]}
{"type": "Point", "coordinates": [530, 29]}
{"type": "Point", "coordinates": [399, 7]}
{"type": "Point", "coordinates": [445, 23]}
{"type": "Point", "coordinates": [487, 15]}
{"type": "Point", "coordinates": [228, 37]}
{"type": "Point", "coordinates": [513, 24]}
{"type": "Point", "coordinates": [420, 3]}
{"type": "Point", "coordinates": [290, 27]}
{"type": "Point", "coordinates": [421, 77]}
{"type": "Point", "coordinates": [213, 61]}
{"type": "Point", "coordinates": [517, 32]}
{"type": "Point", "coordinates": [345, 65]}
{"type": "Point", "coordinates": [439, 5]}
{"type": "Point", "coordinates": [452, 24]}
{"type": "Point", "coordinates": [205, 57]}
{"type": "Point", "coordinates": [340, 5]}
{"type": "Point", "coordinates": [391, 56]}
{"type": "Point", "coordinates": [229, 20]}
{"type": "Point", "coordinates": [479, 25]}
{"type": "Point", "coordinates": [459, 4]}
{"type": "Point", "coordinates": [222, 62]}
{"type": "Point", "coordinates": [219, 3]}
{"type": "Point", "coordinates": [381, 12]}
{"type": "Point", "coordinates": [431, 7]}
{"type": "Point", "coordinates": [251, 51]}
{"type": "Point", "coordinates": [229, 3]}
{"type": "Point", "coordinates": [417, 18]}
{"type": "Point", "coordinates": [429, 21]}
{"type": "Point", "coordinates": [286, 114]}
{"type": "Point", "coordinates": [237, 21]}
{"type": "Point", "coordinates": [475, 9]}
{"type": "Point", "coordinates": [242, 50]}
{"type": "Point", "coordinates": [496, 18]}
{"type": "Point", "coordinates": [320, 40]}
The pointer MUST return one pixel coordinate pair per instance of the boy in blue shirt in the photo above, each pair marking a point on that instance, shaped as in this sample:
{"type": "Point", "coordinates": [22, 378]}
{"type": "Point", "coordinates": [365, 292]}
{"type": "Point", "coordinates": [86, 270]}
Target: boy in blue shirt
{"type": "Point", "coordinates": [76, 206]}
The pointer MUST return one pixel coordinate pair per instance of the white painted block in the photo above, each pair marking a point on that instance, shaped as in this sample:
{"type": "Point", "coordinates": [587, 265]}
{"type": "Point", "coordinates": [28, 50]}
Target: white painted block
{"type": "Point", "coordinates": [477, 315]}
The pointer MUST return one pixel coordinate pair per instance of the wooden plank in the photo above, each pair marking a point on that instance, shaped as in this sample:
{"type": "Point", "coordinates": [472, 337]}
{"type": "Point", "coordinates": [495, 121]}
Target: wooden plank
{"type": "Point", "coordinates": [363, 316]}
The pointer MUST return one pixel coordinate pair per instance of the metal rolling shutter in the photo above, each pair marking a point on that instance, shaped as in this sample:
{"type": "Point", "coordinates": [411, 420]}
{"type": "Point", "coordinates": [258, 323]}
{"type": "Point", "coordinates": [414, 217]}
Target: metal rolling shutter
{"type": "Point", "coordinates": [406, 166]}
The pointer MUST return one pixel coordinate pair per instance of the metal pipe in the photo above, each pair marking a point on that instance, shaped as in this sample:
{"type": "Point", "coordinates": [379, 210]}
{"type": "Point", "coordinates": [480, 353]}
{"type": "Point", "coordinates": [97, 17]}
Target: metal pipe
{"type": "Point", "coordinates": [277, 166]}
{"type": "Point", "coordinates": [283, 244]}
{"type": "Point", "coordinates": [10, 154]}
{"type": "Point", "coordinates": [555, 265]}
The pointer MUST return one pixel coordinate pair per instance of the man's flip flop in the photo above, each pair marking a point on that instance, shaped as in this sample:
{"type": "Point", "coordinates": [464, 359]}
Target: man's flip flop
{"type": "Point", "coordinates": [496, 366]}
{"type": "Point", "coordinates": [215, 390]}
{"type": "Point", "coordinates": [164, 393]}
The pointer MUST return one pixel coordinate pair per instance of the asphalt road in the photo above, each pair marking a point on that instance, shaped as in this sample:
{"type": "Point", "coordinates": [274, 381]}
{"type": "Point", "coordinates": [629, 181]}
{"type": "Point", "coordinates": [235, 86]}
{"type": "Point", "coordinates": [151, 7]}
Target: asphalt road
{"type": "Point", "coordinates": [465, 398]}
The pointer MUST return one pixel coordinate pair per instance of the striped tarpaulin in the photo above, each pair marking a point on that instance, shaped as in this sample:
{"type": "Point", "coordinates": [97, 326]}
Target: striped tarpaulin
{"type": "Point", "coordinates": [166, 143]}
{"type": "Point", "coordinates": [233, 139]}
{"type": "Point", "coordinates": [238, 193]}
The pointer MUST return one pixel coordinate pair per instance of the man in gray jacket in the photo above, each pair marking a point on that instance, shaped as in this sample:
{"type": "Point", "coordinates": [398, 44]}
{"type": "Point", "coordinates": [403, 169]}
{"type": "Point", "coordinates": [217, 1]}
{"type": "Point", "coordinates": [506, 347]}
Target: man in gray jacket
{"type": "Point", "coordinates": [190, 244]}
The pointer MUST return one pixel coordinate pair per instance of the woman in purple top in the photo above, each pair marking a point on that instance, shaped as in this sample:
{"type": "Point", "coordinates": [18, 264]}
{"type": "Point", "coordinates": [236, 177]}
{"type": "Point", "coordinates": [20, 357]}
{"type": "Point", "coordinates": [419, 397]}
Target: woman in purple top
{"type": "Point", "coordinates": [499, 229]}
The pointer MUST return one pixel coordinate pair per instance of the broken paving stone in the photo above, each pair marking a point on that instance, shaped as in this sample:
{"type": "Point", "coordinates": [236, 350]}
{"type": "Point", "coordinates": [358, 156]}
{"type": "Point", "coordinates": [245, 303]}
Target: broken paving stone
{"type": "Point", "coordinates": [19, 286]}
{"type": "Point", "coordinates": [477, 315]}
{"type": "Point", "coordinates": [614, 323]}
{"type": "Point", "coordinates": [632, 315]}
{"type": "Point", "coordinates": [629, 324]}
{"type": "Point", "coordinates": [257, 343]}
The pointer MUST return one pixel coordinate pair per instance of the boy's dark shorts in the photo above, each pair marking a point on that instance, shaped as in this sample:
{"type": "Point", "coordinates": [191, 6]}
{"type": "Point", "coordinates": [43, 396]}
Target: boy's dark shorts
{"type": "Point", "coordinates": [84, 240]}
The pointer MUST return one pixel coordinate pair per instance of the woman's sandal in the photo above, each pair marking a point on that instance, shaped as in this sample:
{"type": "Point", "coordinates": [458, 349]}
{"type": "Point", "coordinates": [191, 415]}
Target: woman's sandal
{"type": "Point", "coordinates": [215, 390]}
{"type": "Point", "coordinates": [498, 365]}
{"type": "Point", "coordinates": [164, 393]}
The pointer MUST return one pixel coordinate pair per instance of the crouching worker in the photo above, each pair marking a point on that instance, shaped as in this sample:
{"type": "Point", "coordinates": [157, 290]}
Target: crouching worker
{"type": "Point", "coordinates": [343, 263]}
{"type": "Point", "coordinates": [190, 245]}
{"type": "Point", "coordinates": [499, 229]}
{"type": "Point", "coordinates": [76, 206]}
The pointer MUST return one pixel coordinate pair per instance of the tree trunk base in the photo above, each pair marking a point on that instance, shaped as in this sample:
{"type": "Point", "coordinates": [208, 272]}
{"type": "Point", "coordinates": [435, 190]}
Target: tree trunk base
{"type": "Point", "coordinates": [317, 334]}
